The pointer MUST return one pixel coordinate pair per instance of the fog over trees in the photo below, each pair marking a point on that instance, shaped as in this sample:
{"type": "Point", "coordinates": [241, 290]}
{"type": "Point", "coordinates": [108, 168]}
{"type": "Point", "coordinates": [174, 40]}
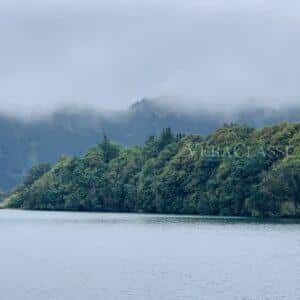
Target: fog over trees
{"type": "Point", "coordinates": [25, 143]}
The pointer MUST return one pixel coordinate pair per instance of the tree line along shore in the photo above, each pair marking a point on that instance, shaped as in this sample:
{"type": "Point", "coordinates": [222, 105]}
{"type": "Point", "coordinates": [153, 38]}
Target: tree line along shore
{"type": "Point", "coordinates": [235, 171]}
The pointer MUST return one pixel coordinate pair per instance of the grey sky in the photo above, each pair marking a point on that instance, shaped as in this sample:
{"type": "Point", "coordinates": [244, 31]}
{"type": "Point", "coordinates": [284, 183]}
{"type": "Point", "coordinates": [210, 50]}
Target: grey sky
{"type": "Point", "coordinates": [110, 53]}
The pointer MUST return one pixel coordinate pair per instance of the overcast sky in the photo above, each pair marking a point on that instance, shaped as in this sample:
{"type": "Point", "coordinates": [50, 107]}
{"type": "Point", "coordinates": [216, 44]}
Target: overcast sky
{"type": "Point", "coordinates": [110, 53]}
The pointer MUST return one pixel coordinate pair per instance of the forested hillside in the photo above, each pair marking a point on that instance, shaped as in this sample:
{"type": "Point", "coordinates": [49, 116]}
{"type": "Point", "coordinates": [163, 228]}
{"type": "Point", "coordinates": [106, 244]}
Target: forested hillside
{"type": "Point", "coordinates": [26, 143]}
{"type": "Point", "coordinates": [237, 170]}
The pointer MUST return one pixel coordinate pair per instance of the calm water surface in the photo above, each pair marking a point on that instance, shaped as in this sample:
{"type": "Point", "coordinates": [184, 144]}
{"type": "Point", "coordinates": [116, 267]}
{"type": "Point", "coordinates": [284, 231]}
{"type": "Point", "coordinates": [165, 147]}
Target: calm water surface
{"type": "Point", "coordinates": [87, 256]}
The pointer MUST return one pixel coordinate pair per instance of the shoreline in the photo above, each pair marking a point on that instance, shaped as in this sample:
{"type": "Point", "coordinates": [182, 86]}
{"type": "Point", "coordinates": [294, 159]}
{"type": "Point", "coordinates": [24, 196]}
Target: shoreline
{"type": "Point", "coordinates": [195, 216]}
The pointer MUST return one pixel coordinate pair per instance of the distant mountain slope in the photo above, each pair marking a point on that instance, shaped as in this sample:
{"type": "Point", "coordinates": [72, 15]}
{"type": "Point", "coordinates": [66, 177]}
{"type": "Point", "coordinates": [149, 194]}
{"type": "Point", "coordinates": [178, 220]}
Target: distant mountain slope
{"type": "Point", "coordinates": [24, 144]}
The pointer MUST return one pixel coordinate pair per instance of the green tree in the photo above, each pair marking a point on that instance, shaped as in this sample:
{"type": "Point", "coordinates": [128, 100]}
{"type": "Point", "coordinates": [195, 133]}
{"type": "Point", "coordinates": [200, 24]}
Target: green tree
{"type": "Point", "coordinates": [36, 172]}
{"type": "Point", "coordinates": [109, 150]}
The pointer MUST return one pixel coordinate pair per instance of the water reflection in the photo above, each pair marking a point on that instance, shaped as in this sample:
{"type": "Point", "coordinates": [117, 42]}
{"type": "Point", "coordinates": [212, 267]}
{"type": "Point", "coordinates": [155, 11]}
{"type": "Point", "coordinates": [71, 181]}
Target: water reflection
{"type": "Point", "coordinates": [19, 216]}
{"type": "Point", "coordinates": [66, 255]}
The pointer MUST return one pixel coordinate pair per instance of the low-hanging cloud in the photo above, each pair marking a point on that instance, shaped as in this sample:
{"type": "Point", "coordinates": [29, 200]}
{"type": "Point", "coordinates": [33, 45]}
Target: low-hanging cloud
{"type": "Point", "coordinates": [110, 53]}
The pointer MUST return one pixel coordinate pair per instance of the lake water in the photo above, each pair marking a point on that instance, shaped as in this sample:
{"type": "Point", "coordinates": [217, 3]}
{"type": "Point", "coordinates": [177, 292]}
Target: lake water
{"type": "Point", "coordinates": [87, 256]}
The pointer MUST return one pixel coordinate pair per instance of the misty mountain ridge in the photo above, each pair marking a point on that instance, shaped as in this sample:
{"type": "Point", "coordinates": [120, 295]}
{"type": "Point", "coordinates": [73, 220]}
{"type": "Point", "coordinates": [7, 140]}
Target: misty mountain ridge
{"type": "Point", "coordinates": [72, 131]}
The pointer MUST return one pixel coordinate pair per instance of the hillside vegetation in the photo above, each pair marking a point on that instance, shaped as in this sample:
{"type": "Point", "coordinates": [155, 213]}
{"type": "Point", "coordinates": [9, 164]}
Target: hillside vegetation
{"type": "Point", "coordinates": [237, 170]}
{"type": "Point", "coordinates": [24, 144]}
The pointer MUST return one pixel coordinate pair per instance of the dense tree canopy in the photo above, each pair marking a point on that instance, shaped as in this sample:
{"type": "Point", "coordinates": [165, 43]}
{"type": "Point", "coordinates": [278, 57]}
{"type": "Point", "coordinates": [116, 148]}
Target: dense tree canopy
{"type": "Point", "coordinates": [237, 171]}
{"type": "Point", "coordinates": [25, 143]}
